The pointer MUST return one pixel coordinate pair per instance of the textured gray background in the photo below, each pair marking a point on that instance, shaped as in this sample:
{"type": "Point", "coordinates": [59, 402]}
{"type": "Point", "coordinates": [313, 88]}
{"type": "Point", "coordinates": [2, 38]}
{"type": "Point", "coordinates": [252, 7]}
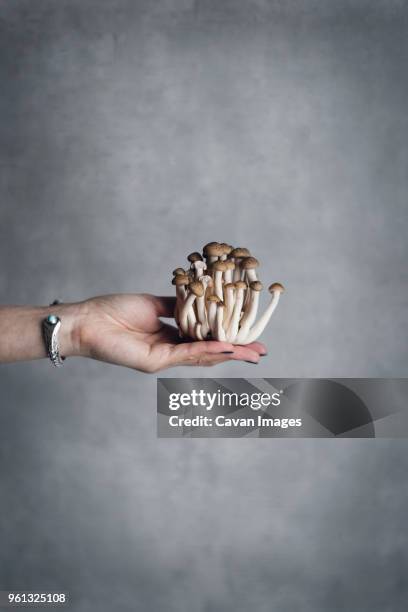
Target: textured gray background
{"type": "Point", "coordinates": [131, 133]}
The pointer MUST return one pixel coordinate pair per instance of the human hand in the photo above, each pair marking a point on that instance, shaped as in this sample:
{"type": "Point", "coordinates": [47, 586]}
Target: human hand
{"type": "Point", "coordinates": [126, 329]}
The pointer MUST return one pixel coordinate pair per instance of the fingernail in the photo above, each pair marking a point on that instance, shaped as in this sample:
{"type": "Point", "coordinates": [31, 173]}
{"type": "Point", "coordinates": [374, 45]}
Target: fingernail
{"type": "Point", "coordinates": [227, 352]}
{"type": "Point", "coordinates": [254, 362]}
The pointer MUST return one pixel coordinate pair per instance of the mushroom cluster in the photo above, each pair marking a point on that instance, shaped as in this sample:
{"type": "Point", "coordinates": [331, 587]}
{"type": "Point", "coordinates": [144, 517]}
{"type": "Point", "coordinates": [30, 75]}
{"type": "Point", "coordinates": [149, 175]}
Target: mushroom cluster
{"type": "Point", "coordinates": [218, 295]}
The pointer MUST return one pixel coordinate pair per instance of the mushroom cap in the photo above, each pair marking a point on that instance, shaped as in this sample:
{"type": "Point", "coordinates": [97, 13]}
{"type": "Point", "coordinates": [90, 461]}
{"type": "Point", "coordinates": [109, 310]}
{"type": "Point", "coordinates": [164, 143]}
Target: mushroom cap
{"type": "Point", "coordinates": [256, 286]}
{"type": "Point", "coordinates": [240, 252]}
{"type": "Point", "coordinates": [181, 279]}
{"type": "Point", "coordinates": [219, 266]}
{"type": "Point", "coordinates": [229, 286]}
{"type": "Point", "coordinates": [197, 288]}
{"type": "Point", "coordinates": [209, 244]}
{"type": "Point", "coordinates": [214, 250]}
{"type": "Point", "coordinates": [230, 264]}
{"type": "Point", "coordinates": [241, 284]}
{"type": "Point", "coordinates": [213, 298]}
{"type": "Point", "coordinates": [276, 287]}
{"type": "Point", "coordinates": [194, 257]}
{"type": "Point", "coordinates": [249, 263]}
{"type": "Point", "coordinates": [227, 248]}
{"type": "Point", "coordinates": [178, 271]}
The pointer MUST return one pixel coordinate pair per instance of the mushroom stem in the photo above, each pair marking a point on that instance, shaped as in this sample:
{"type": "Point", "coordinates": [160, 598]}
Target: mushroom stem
{"type": "Point", "coordinates": [198, 331]}
{"type": "Point", "coordinates": [199, 267]}
{"type": "Point", "coordinates": [201, 309]}
{"type": "Point", "coordinates": [187, 316]}
{"type": "Point", "coordinates": [229, 290]}
{"type": "Point", "coordinates": [220, 332]}
{"type": "Point", "coordinates": [276, 289]}
{"type": "Point", "coordinates": [249, 316]}
{"type": "Point", "coordinates": [237, 272]}
{"type": "Point", "coordinates": [212, 312]}
{"type": "Point", "coordinates": [236, 313]}
{"type": "Point", "coordinates": [218, 284]}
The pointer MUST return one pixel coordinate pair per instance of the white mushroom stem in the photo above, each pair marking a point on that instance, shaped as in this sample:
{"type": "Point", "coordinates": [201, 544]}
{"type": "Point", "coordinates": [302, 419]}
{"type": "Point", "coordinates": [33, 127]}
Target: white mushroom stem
{"type": "Point", "coordinates": [212, 313]}
{"type": "Point", "coordinates": [237, 272]}
{"type": "Point", "coordinates": [218, 284]}
{"type": "Point", "coordinates": [201, 309]}
{"type": "Point", "coordinates": [236, 314]}
{"type": "Point", "coordinates": [262, 322]}
{"type": "Point", "coordinates": [229, 291]}
{"type": "Point", "coordinates": [192, 321]}
{"type": "Point", "coordinates": [181, 296]}
{"type": "Point", "coordinates": [249, 316]}
{"type": "Point", "coordinates": [201, 313]}
{"type": "Point", "coordinates": [187, 316]}
{"type": "Point", "coordinates": [198, 331]}
{"type": "Point", "coordinates": [220, 332]}
{"type": "Point", "coordinates": [199, 267]}
{"type": "Point", "coordinates": [251, 275]}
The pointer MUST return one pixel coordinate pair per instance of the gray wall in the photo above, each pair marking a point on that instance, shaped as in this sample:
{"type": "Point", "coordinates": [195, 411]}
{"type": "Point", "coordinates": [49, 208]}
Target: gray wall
{"type": "Point", "coordinates": [133, 132]}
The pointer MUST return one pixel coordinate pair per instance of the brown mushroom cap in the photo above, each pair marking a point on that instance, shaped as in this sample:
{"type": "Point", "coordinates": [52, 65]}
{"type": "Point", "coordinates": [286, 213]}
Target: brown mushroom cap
{"type": "Point", "coordinates": [241, 284]}
{"type": "Point", "coordinates": [181, 279]}
{"type": "Point", "coordinates": [276, 287]}
{"type": "Point", "coordinates": [219, 266]}
{"type": "Point", "coordinates": [230, 264]}
{"type": "Point", "coordinates": [229, 286]}
{"type": "Point", "coordinates": [197, 288]}
{"type": "Point", "coordinates": [227, 248]}
{"type": "Point", "coordinates": [209, 244]}
{"type": "Point", "coordinates": [194, 257]}
{"type": "Point", "coordinates": [249, 263]}
{"type": "Point", "coordinates": [240, 252]}
{"type": "Point", "coordinates": [213, 298]}
{"type": "Point", "coordinates": [178, 271]}
{"type": "Point", "coordinates": [256, 286]}
{"type": "Point", "coordinates": [215, 250]}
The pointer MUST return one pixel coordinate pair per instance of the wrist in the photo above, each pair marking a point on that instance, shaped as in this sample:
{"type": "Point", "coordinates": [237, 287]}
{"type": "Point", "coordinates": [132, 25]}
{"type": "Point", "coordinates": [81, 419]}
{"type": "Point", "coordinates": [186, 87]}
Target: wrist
{"type": "Point", "coordinates": [73, 318]}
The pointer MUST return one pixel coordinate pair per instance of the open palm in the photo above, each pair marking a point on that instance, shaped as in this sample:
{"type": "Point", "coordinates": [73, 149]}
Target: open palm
{"type": "Point", "coordinates": [125, 329]}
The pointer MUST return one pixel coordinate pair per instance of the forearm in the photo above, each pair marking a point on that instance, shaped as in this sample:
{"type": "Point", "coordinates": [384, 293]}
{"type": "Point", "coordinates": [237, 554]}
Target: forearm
{"type": "Point", "coordinates": [21, 335]}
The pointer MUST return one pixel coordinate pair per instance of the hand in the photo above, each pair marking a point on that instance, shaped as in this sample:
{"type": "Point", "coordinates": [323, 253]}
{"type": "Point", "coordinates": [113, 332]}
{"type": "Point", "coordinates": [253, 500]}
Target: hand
{"type": "Point", "coordinates": [126, 330]}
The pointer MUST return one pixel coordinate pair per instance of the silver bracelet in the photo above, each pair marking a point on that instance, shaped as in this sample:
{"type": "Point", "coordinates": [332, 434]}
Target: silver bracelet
{"type": "Point", "coordinates": [50, 329]}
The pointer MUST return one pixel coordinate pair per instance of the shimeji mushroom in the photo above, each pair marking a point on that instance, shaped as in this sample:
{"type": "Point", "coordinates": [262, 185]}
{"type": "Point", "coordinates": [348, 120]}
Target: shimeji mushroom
{"type": "Point", "coordinates": [180, 281]}
{"type": "Point", "coordinates": [236, 313]}
{"type": "Point", "coordinates": [248, 266]}
{"type": "Point", "coordinates": [237, 255]}
{"type": "Point", "coordinates": [227, 250]}
{"type": "Point", "coordinates": [256, 330]}
{"type": "Point", "coordinates": [197, 264]}
{"type": "Point", "coordinates": [178, 271]}
{"type": "Point", "coordinates": [249, 316]}
{"type": "Point", "coordinates": [213, 251]}
{"type": "Point", "coordinates": [219, 268]}
{"type": "Point", "coordinates": [187, 314]}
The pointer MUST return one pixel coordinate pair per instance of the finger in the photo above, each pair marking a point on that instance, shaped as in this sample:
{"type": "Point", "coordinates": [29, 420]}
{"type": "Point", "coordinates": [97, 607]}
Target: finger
{"type": "Point", "coordinates": [245, 353]}
{"type": "Point", "coordinates": [191, 350]}
{"type": "Point", "coordinates": [258, 347]}
{"type": "Point", "coordinates": [164, 305]}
